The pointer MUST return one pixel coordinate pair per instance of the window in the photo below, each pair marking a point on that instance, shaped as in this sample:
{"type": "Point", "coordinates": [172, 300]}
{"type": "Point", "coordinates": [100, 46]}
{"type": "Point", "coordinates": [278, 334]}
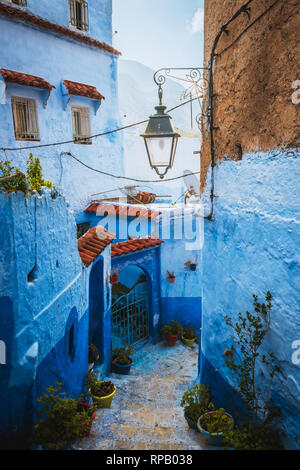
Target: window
{"type": "Point", "coordinates": [25, 118]}
{"type": "Point", "coordinates": [82, 229]}
{"type": "Point", "coordinates": [81, 125]}
{"type": "Point", "coordinates": [78, 14]}
{"type": "Point", "coordinates": [21, 3]}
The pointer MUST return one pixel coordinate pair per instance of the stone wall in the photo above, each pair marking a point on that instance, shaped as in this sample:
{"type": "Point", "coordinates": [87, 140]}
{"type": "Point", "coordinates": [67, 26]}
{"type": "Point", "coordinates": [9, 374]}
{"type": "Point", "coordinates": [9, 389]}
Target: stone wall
{"type": "Point", "coordinates": [253, 79]}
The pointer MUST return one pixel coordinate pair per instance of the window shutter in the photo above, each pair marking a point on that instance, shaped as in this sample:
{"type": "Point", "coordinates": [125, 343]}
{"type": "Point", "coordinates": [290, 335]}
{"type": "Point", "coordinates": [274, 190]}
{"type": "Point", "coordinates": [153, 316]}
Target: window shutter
{"type": "Point", "coordinates": [85, 122]}
{"type": "Point", "coordinates": [25, 118]}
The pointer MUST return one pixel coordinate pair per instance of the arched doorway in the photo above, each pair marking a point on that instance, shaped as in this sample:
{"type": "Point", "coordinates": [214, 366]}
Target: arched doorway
{"type": "Point", "coordinates": [130, 310]}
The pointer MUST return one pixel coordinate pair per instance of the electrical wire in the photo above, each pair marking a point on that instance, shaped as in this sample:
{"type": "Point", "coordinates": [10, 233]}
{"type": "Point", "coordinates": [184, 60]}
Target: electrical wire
{"type": "Point", "coordinates": [4, 149]}
{"type": "Point", "coordinates": [126, 177]}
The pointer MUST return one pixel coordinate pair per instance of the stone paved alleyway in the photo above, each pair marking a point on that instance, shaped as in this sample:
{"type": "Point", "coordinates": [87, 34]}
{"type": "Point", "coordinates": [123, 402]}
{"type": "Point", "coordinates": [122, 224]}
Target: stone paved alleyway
{"type": "Point", "coordinates": [146, 412]}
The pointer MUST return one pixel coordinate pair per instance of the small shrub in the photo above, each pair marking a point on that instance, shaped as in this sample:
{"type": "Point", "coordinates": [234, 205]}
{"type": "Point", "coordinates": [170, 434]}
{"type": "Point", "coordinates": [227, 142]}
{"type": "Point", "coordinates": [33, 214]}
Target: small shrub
{"type": "Point", "coordinates": [35, 176]}
{"type": "Point", "coordinates": [123, 355]}
{"type": "Point", "coordinates": [254, 436]}
{"type": "Point", "coordinates": [61, 421]}
{"type": "Point", "coordinates": [172, 328]}
{"type": "Point", "coordinates": [15, 184]}
{"type": "Point", "coordinates": [217, 422]}
{"type": "Point", "coordinates": [196, 401]}
{"type": "Point", "coordinates": [100, 389]}
{"type": "Point", "coordinates": [189, 333]}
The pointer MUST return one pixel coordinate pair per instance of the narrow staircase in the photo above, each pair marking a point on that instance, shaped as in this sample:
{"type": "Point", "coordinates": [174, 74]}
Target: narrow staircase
{"type": "Point", "coordinates": [145, 412]}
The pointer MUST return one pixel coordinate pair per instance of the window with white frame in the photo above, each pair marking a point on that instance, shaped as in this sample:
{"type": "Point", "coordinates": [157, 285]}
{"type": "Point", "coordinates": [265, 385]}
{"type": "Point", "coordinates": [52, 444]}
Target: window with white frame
{"type": "Point", "coordinates": [81, 125]}
{"type": "Point", "coordinates": [21, 3]}
{"type": "Point", "coordinates": [25, 118]}
{"type": "Point", "coordinates": [78, 14]}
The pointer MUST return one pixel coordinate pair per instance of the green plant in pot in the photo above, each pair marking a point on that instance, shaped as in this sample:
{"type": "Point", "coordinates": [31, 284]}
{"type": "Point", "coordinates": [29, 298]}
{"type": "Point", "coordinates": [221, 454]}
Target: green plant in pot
{"type": "Point", "coordinates": [189, 336]}
{"type": "Point", "coordinates": [102, 392]}
{"type": "Point", "coordinates": [61, 420]}
{"type": "Point", "coordinates": [249, 332]}
{"type": "Point", "coordinates": [171, 332]}
{"type": "Point", "coordinates": [214, 425]}
{"type": "Point", "coordinates": [122, 360]}
{"type": "Point", "coordinates": [195, 402]}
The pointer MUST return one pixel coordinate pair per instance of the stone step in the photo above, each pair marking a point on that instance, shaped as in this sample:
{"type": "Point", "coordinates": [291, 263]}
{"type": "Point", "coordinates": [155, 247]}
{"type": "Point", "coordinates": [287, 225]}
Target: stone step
{"type": "Point", "coordinates": [125, 445]}
{"type": "Point", "coordinates": [147, 418]}
{"type": "Point", "coordinates": [132, 433]}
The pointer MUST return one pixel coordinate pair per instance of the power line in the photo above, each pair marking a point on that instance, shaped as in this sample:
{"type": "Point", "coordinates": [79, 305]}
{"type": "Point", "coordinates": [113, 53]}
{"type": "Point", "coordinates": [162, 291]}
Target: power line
{"type": "Point", "coordinates": [4, 149]}
{"type": "Point", "coordinates": [126, 177]}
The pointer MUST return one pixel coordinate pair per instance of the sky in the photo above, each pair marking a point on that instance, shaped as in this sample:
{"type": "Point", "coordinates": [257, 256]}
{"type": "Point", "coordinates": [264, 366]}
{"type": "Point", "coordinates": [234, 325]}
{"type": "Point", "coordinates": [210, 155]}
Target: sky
{"type": "Point", "coordinates": [159, 33]}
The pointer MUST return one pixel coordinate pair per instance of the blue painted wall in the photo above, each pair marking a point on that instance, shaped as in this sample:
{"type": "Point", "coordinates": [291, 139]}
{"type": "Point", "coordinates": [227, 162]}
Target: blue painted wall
{"type": "Point", "coordinates": [252, 246]}
{"type": "Point", "coordinates": [38, 236]}
{"type": "Point", "coordinates": [56, 59]}
{"type": "Point", "coordinates": [182, 232]}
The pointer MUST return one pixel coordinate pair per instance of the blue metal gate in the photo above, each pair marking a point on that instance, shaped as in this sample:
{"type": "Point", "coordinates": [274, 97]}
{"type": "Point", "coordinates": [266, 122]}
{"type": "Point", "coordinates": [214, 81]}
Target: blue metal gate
{"type": "Point", "coordinates": [130, 318]}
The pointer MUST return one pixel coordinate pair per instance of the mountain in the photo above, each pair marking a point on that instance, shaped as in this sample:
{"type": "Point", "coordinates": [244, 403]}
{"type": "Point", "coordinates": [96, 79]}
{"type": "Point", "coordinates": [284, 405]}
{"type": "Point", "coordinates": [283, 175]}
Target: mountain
{"type": "Point", "coordinates": [138, 95]}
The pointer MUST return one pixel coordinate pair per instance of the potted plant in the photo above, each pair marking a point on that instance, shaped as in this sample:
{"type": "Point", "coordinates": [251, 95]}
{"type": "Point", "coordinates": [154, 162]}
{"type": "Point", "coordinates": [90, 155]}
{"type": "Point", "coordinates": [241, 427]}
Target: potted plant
{"type": "Point", "coordinates": [93, 356]}
{"type": "Point", "coordinates": [114, 278]}
{"type": "Point", "coordinates": [191, 265]}
{"type": "Point", "coordinates": [214, 425]}
{"type": "Point", "coordinates": [121, 359]}
{"type": "Point", "coordinates": [195, 402]}
{"type": "Point", "coordinates": [171, 277]}
{"type": "Point", "coordinates": [102, 392]}
{"type": "Point", "coordinates": [62, 420]}
{"type": "Point", "coordinates": [249, 332]}
{"type": "Point", "coordinates": [171, 331]}
{"type": "Point", "coordinates": [189, 336]}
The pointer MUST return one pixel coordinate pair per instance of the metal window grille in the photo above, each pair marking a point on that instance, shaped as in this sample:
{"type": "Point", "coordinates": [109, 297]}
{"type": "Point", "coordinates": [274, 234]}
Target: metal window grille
{"type": "Point", "coordinates": [78, 14]}
{"type": "Point", "coordinates": [21, 3]}
{"type": "Point", "coordinates": [25, 118]}
{"type": "Point", "coordinates": [81, 124]}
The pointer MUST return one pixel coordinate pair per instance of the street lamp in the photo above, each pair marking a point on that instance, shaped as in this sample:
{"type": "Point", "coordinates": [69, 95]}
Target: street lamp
{"type": "Point", "coordinates": [160, 136]}
{"type": "Point", "coordinates": [160, 139]}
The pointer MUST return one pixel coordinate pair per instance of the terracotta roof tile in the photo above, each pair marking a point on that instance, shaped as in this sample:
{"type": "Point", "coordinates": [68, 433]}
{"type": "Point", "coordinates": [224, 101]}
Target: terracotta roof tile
{"type": "Point", "coordinates": [33, 20]}
{"type": "Point", "coordinates": [91, 245]}
{"type": "Point", "coordinates": [11, 76]}
{"type": "Point", "coordinates": [131, 246]}
{"type": "Point", "coordinates": [129, 211]}
{"type": "Point", "coordinates": [80, 89]}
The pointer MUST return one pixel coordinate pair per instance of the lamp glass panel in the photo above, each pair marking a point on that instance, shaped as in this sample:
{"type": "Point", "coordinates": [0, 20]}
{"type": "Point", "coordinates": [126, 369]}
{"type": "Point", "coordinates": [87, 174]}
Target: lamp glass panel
{"type": "Point", "coordinates": [159, 150]}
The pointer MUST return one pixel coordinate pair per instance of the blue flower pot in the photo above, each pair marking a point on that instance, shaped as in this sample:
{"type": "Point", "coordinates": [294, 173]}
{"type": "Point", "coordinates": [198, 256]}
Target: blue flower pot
{"type": "Point", "coordinates": [216, 439]}
{"type": "Point", "coordinates": [120, 369]}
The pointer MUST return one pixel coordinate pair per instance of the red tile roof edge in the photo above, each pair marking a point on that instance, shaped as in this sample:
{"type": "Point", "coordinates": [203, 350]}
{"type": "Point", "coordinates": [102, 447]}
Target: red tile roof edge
{"type": "Point", "coordinates": [93, 243]}
{"type": "Point", "coordinates": [12, 76]}
{"type": "Point", "coordinates": [122, 210]}
{"type": "Point", "coordinates": [131, 246]}
{"type": "Point", "coordinates": [81, 89]}
{"type": "Point", "coordinates": [33, 20]}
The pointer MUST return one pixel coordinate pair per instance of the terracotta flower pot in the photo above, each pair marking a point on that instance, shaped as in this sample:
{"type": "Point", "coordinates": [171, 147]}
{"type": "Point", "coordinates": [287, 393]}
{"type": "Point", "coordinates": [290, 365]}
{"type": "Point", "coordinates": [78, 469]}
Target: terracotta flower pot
{"type": "Point", "coordinates": [171, 340]}
{"type": "Point", "coordinates": [172, 279]}
{"type": "Point", "coordinates": [114, 278]}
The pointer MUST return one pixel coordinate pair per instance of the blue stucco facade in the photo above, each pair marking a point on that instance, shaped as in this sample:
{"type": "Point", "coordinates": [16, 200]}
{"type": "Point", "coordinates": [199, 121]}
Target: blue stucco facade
{"type": "Point", "coordinates": [252, 246]}
{"type": "Point", "coordinates": [56, 58]}
{"type": "Point", "coordinates": [42, 299]}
